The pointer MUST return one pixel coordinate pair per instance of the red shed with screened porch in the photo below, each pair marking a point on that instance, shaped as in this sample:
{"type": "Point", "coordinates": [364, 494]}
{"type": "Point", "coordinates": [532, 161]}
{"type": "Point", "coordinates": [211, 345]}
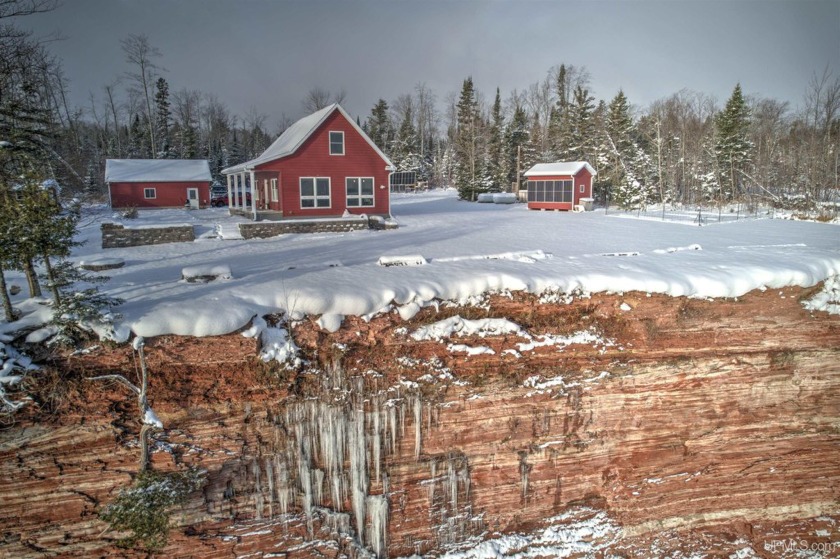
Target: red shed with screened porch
{"type": "Point", "coordinates": [158, 183]}
{"type": "Point", "coordinates": [322, 166]}
{"type": "Point", "coordinates": [559, 186]}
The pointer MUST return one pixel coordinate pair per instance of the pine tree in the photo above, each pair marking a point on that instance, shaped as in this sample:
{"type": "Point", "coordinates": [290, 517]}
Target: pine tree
{"type": "Point", "coordinates": [378, 126]}
{"type": "Point", "coordinates": [163, 118]}
{"type": "Point", "coordinates": [138, 147]}
{"type": "Point", "coordinates": [516, 145]}
{"type": "Point", "coordinates": [404, 151]}
{"type": "Point", "coordinates": [618, 172]}
{"type": "Point", "coordinates": [468, 146]}
{"type": "Point", "coordinates": [581, 127]}
{"type": "Point", "coordinates": [559, 119]}
{"type": "Point", "coordinates": [732, 146]}
{"type": "Point", "coordinates": [495, 148]}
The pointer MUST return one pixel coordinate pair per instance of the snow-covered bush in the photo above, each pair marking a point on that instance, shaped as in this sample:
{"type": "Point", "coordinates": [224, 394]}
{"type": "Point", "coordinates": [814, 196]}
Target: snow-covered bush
{"type": "Point", "coordinates": [144, 509]}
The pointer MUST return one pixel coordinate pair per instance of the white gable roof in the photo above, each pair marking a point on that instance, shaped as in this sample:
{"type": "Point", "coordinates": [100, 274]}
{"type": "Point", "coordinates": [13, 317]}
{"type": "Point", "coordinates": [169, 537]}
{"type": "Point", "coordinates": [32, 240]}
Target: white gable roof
{"type": "Point", "coordinates": [559, 168]}
{"type": "Point", "coordinates": [295, 135]}
{"type": "Point", "coordinates": [157, 170]}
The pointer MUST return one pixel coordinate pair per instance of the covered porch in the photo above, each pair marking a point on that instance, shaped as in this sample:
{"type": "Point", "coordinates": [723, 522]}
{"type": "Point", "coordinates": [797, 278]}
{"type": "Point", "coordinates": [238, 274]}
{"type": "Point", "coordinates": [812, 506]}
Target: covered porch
{"type": "Point", "coordinates": [246, 198]}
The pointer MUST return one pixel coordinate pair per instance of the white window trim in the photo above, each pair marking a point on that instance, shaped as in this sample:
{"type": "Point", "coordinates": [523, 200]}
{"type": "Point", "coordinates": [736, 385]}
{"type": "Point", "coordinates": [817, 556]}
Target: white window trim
{"type": "Point", "coordinates": [146, 193]}
{"type": "Point", "coordinates": [315, 197]}
{"type": "Point", "coordinates": [329, 141]}
{"type": "Point", "coordinates": [275, 194]}
{"type": "Point", "coordinates": [359, 195]}
{"type": "Point", "coordinates": [582, 188]}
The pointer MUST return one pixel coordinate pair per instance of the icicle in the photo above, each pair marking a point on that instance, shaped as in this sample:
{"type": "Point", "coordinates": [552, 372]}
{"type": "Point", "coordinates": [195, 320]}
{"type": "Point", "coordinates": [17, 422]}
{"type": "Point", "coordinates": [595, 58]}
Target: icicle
{"type": "Point", "coordinates": [429, 418]}
{"type": "Point", "coordinates": [338, 523]}
{"type": "Point", "coordinates": [392, 420]}
{"type": "Point", "coordinates": [258, 496]}
{"type": "Point", "coordinates": [433, 471]}
{"type": "Point", "coordinates": [317, 487]}
{"type": "Point", "coordinates": [282, 474]}
{"type": "Point", "coordinates": [269, 476]}
{"type": "Point", "coordinates": [418, 425]}
{"type": "Point", "coordinates": [524, 471]}
{"type": "Point", "coordinates": [358, 470]}
{"type": "Point", "coordinates": [377, 440]}
{"type": "Point", "coordinates": [378, 509]}
{"type": "Point", "coordinates": [452, 484]}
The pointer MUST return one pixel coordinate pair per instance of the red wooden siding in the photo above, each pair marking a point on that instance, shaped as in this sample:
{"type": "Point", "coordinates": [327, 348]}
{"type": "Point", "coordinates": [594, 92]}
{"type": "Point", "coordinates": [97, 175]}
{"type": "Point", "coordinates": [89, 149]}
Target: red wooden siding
{"type": "Point", "coordinates": [313, 159]}
{"type": "Point", "coordinates": [168, 194]}
{"type": "Point", "coordinates": [582, 179]}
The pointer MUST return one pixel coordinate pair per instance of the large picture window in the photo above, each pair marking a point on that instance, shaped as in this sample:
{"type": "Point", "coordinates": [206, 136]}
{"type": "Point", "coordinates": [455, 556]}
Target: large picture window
{"type": "Point", "coordinates": [550, 191]}
{"type": "Point", "coordinates": [359, 192]}
{"type": "Point", "coordinates": [314, 192]}
{"type": "Point", "coordinates": [336, 143]}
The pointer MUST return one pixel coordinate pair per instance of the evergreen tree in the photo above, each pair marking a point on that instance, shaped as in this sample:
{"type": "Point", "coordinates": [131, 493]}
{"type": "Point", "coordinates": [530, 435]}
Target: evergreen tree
{"type": "Point", "coordinates": [378, 125]}
{"type": "Point", "coordinates": [581, 127]}
{"type": "Point", "coordinates": [138, 146]}
{"type": "Point", "coordinates": [732, 145]}
{"type": "Point", "coordinates": [558, 122]}
{"type": "Point", "coordinates": [235, 151]}
{"type": "Point", "coordinates": [404, 151]}
{"type": "Point", "coordinates": [163, 118]}
{"type": "Point", "coordinates": [617, 172]}
{"type": "Point", "coordinates": [496, 148]}
{"type": "Point", "coordinates": [82, 306]}
{"type": "Point", "coordinates": [516, 145]}
{"type": "Point", "coordinates": [469, 159]}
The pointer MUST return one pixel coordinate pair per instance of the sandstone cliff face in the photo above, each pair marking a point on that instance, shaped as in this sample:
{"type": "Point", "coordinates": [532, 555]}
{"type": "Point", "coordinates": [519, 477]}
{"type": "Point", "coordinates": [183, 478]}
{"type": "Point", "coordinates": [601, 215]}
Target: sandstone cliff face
{"type": "Point", "coordinates": [672, 426]}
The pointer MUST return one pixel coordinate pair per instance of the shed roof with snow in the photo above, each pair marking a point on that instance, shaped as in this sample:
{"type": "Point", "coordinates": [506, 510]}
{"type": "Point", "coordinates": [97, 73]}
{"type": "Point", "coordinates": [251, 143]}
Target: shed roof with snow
{"type": "Point", "coordinates": [561, 168]}
{"type": "Point", "coordinates": [157, 170]}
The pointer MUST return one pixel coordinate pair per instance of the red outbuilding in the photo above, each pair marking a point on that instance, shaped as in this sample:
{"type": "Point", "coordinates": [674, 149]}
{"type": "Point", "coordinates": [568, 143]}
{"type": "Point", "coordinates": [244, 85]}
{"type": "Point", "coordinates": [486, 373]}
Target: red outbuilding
{"type": "Point", "coordinates": [322, 166]}
{"type": "Point", "coordinates": [559, 186]}
{"type": "Point", "coordinates": [158, 183]}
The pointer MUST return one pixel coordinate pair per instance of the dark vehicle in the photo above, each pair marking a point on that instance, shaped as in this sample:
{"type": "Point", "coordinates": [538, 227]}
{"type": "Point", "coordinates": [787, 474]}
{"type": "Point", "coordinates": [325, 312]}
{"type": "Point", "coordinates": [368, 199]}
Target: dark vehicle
{"type": "Point", "coordinates": [221, 201]}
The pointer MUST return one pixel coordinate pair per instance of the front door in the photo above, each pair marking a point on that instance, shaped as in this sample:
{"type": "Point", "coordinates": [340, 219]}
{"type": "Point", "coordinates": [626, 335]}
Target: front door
{"type": "Point", "coordinates": [192, 196]}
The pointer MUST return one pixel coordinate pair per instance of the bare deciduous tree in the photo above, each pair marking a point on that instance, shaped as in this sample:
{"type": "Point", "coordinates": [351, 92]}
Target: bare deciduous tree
{"type": "Point", "coordinates": [141, 54]}
{"type": "Point", "coordinates": [317, 98]}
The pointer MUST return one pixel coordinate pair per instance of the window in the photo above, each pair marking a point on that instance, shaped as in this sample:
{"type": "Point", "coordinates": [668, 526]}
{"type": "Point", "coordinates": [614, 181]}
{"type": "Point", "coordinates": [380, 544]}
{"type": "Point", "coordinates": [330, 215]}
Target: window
{"type": "Point", "coordinates": [314, 192]}
{"type": "Point", "coordinates": [274, 194]}
{"type": "Point", "coordinates": [149, 193]}
{"type": "Point", "coordinates": [550, 191]}
{"type": "Point", "coordinates": [582, 188]}
{"type": "Point", "coordinates": [359, 192]}
{"type": "Point", "coordinates": [336, 143]}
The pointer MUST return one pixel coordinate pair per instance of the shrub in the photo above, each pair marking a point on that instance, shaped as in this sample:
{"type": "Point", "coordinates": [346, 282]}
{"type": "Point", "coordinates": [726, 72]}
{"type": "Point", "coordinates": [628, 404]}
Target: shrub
{"type": "Point", "coordinates": [144, 509]}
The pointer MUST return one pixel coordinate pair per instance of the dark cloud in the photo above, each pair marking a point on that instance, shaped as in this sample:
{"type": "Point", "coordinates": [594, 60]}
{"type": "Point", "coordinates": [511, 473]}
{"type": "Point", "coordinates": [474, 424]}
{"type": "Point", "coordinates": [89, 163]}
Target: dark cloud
{"type": "Point", "coordinates": [268, 54]}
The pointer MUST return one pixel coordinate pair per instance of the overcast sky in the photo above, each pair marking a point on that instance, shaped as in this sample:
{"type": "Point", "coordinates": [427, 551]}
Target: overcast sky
{"type": "Point", "coordinates": [268, 54]}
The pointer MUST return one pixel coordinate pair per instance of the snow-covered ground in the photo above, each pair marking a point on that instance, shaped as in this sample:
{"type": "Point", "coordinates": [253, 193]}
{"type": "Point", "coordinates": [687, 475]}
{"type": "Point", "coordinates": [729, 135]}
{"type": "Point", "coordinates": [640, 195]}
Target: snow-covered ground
{"type": "Point", "coordinates": [468, 249]}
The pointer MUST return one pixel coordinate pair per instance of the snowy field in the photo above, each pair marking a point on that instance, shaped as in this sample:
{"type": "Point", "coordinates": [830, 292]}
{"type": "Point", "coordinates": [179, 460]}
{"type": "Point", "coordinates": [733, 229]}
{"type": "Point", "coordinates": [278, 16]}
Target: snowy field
{"type": "Point", "coordinates": [449, 250]}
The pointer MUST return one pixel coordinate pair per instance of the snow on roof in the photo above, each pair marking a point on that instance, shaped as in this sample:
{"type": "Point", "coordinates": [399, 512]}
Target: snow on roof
{"type": "Point", "coordinates": [559, 168]}
{"type": "Point", "coordinates": [295, 135]}
{"type": "Point", "coordinates": [157, 170]}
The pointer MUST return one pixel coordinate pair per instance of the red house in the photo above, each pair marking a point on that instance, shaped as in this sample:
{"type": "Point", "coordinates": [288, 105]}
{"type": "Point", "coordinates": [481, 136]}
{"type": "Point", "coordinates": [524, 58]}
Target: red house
{"type": "Point", "coordinates": [321, 166]}
{"type": "Point", "coordinates": [158, 183]}
{"type": "Point", "coordinates": [559, 186]}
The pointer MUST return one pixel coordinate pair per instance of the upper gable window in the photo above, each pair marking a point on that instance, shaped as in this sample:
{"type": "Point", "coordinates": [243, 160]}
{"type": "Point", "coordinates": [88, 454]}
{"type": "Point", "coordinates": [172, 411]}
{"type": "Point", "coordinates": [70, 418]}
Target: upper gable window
{"type": "Point", "coordinates": [336, 143]}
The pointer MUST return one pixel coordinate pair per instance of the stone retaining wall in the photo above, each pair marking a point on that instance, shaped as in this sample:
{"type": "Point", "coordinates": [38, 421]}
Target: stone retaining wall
{"type": "Point", "coordinates": [266, 229]}
{"type": "Point", "coordinates": [117, 236]}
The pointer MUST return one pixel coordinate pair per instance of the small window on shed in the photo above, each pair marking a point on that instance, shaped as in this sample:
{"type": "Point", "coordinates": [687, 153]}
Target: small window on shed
{"type": "Point", "coordinates": [336, 143]}
{"type": "Point", "coordinates": [149, 193]}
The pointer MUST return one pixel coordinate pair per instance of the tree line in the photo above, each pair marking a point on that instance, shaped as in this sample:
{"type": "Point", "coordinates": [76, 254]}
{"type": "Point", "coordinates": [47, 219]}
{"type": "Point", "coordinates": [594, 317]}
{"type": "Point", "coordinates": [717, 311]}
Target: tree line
{"type": "Point", "coordinates": [683, 148]}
